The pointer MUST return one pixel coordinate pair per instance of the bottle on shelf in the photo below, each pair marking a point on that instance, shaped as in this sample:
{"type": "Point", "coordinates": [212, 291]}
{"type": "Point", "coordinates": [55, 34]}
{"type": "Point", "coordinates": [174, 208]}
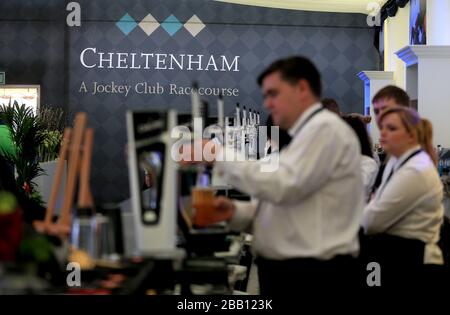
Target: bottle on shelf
{"type": "Point", "coordinates": [244, 143]}
{"type": "Point", "coordinates": [252, 137]}
{"type": "Point", "coordinates": [237, 130]}
{"type": "Point", "coordinates": [196, 113]}
{"type": "Point", "coordinates": [220, 111]}
{"type": "Point", "coordinates": [439, 152]}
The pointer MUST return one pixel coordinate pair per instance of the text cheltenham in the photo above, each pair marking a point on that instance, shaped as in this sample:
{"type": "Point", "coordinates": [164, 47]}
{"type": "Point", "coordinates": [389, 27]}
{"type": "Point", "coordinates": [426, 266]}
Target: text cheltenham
{"type": "Point", "coordinates": [90, 58]}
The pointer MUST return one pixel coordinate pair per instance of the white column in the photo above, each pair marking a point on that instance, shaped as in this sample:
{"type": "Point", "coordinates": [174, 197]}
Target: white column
{"type": "Point", "coordinates": [373, 82]}
{"type": "Point", "coordinates": [432, 65]}
{"type": "Point", "coordinates": [438, 22]}
{"type": "Point", "coordinates": [396, 36]}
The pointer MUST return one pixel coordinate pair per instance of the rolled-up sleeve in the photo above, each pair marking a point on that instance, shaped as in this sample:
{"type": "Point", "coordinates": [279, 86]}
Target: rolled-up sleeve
{"type": "Point", "coordinates": [291, 175]}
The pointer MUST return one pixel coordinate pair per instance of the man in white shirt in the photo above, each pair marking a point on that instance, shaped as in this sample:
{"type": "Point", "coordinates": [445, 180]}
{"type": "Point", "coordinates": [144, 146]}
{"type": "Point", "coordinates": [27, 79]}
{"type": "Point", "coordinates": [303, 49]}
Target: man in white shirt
{"type": "Point", "coordinates": [306, 222]}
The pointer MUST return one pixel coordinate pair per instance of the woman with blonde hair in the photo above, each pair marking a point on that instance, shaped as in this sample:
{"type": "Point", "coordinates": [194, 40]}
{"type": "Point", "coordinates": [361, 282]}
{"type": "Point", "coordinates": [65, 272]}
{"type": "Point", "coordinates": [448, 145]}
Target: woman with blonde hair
{"type": "Point", "coordinates": [402, 222]}
{"type": "Point", "coordinates": [425, 135]}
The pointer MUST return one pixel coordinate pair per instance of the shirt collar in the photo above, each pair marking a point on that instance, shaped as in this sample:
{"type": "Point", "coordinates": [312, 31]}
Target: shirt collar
{"type": "Point", "coordinates": [300, 120]}
{"type": "Point", "coordinates": [405, 155]}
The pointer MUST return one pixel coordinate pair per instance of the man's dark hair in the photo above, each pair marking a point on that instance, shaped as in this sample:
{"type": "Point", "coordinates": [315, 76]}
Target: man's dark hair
{"type": "Point", "coordinates": [331, 105]}
{"type": "Point", "coordinates": [392, 91]}
{"type": "Point", "coordinates": [293, 69]}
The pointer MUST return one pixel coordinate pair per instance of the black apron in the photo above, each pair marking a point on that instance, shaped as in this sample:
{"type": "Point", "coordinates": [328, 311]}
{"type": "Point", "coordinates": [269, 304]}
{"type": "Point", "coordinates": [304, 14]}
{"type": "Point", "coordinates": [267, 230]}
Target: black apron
{"type": "Point", "coordinates": [398, 256]}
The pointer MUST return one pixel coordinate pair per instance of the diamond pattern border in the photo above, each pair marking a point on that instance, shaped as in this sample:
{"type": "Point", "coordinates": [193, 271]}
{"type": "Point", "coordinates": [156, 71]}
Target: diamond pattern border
{"type": "Point", "coordinates": [171, 24]}
{"type": "Point", "coordinates": [126, 24]}
{"type": "Point", "coordinates": [194, 25]}
{"type": "Point", "coordinates": [149, 24]}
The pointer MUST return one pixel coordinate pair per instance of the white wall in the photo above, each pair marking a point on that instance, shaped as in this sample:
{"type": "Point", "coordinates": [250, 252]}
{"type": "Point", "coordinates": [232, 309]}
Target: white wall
{"type": "Point", "coordinates": [434, 96]}
{"type": "Point", "coordinates": [438, 22]}
{"type": "Point", "coordinates": [427, 80]}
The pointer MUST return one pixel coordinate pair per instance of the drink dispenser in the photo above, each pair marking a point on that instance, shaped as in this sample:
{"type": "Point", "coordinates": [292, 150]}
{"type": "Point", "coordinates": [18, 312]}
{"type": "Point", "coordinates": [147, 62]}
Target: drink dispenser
{"type": "Point", "coordinates": [153, 177]}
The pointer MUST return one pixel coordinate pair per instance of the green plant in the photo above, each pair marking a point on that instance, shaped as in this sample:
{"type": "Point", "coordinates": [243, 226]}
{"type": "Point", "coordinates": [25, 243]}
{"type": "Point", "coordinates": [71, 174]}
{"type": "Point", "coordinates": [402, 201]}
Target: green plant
{"type": "Point", "coordinates": [26, 134]}
{"type": "Point", "coordinates": [36, 247]}
{"type": "Point", "coordinates": [52, 120]}
{"type": "Point", "coordinates": [8, 202]}
{"type": "Point", "coordinates": [49, 149]}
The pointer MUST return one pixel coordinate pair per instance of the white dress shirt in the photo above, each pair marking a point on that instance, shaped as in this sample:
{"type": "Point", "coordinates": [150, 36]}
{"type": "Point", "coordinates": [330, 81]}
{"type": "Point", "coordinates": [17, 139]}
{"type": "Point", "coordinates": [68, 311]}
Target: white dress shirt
{"type": "Point", "coordinates": [388, 168]}
{"type": "Point", "coordinates": [311, 206]}
{"type": "Point", "coordinates": [409, 205]}
{"type": "Point", "coordinates": [369, 169]}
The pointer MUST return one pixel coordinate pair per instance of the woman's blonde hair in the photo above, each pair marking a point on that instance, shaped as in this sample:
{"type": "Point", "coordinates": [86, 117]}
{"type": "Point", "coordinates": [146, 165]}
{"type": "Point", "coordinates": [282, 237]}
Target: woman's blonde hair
{"type": "Point", "coordinates": [422, 128]}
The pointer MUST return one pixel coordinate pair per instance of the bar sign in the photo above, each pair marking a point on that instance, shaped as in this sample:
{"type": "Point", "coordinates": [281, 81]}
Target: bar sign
{"type": "Point", "coordinates": [2, 77]}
